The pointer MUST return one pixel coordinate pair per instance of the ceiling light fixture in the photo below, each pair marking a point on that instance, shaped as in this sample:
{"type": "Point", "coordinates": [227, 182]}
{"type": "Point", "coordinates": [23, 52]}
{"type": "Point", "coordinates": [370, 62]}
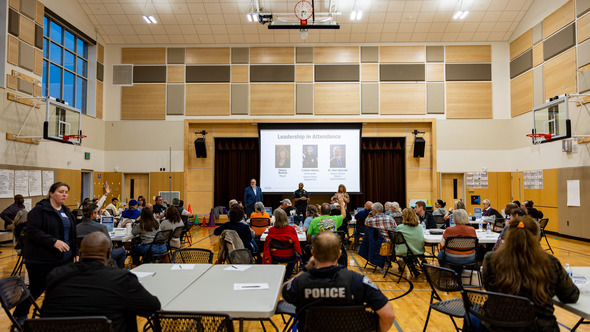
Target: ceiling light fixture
{"type": "Point", "coordinates": [464, 15]}
{"type": "Point", "coordinates": [249, 16]}
{"type": "Point", "coordinates": [152, 19]}
{"type": "Point", "coordinates": [353, 15]}
{"type": "Point", "coordinates": [356, 15]}
{"type": "Point", "coordinates": [146, 19]}
{"type": "Point", "coordinates": [149, 19]}
{"type": "Point", "coordinates": [457, 15]}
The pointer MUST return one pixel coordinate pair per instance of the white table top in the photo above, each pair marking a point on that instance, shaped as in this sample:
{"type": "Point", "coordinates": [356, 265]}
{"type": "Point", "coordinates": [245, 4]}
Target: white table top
{"type": "Point", "coordinates": [483, 237]}
{"type": "Point", "coordinates": [166, 283]}
{"type": "Point", "coordinates": [582, 307]}
{"type": "Point", "coordinates": [302, 236]}
{"type": "Point", "coordinates": [214, 292]}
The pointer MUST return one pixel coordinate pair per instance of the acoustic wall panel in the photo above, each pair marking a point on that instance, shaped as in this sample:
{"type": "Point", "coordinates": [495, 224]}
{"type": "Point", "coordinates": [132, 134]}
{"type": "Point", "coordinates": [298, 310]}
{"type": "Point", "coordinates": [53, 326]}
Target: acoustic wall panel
{"type": "Point", "coordinates": [15, 4]}
{"type": "Point", "coordinates": [38, 36]}
{"type": "Point", "coordinates": [207, 99]}
{"type": "Point", "coordinates": [469, 100]}
{"type": "Point", "coordinates": [408, 54]}
{"type": "Point", "coordinates": [336, 54]}
{"type": "Point", "coordinates": [336, 73]}
{"type": "Point", "coordinates": [558, 19]}
{"type": "Point", "coordinates": [38, 67]}
{"type": "Point", "coordinates": [13, 22]}
{"type": "Point", "coordinates": [175, 55]}
{"type": "Point", "coordinates": [240, 55]}
{"type": "Point", "coordinates": [272, 73]}
{"type": "Point", "coordinates": [100, 71]}
{"type": "Point", "coordinates": [143, 56]}
{"type": "Point", "coordinates": [537, 33]}
{"type": "Point", "coordinates": [100, 52]}
{"type": "Point", "coordinates": [521, 64]}
{"type": "Point", "coordinates": [27, 30]}
{"type": "Point", "coordinates": [369, 54]}
{"type": "Point", "coordinates": [240, 99]}
{"type": "Point", "coordinates": [370, 98]}
{"type": "Point", "coordinates": [99, 99]}
{"type": "Point", "coordinates": [39, 13]}
{"type": "Point", "coordinates": [175, 74]}
{"type": "Point", "coordinates": [559, 42]}
{"type": "Point", "coordinates": [26, 56]}
{"type": "Point", "coordinates": [29, 8]}
{"type": "Point", "coordinates": [538, 54]}
{"type": "Point", "coordinates": [468, 72]}
{"type": "Point", "coordinates": [336, 99]}
{"type": "Point", "coordinates": [402, 98]}
{"type": "Point", "coordinates": [583, 53]}
{"type": "Point", "coordinates": [435, 53]}
{"type": "Point", "coordinates": [370, 72]}
{"type": "Point", "coordinates": [401, 72]}
{"type": "Point", "coordinates": [25, 87]}
{"type": "Point", "coordinates": [239, 74]}
{"type": "Point", "coordinates": [13, 45]}
{"type": "Point", "coordinates": [435, 72]}
{"type": "Point", "coordinates": [175, 99]}
{"type": "Point", "coordinates": [304, 99]}
{"type": "Point", "coordinates": [304, 73]}
{"type": "Point", "coordinates": [583, 25]}
{"type": "Point", "coordinates": [435, 98]}
{"type": "Point", "coordinates": [521, 44]}
{"type": "Point", "coordinates": [560, 74]}
{"type": "Point", "coordinates": [582, 7]}
{"type": "Point", "coordinates": [281, 103]}
{"type": "Point", "coordinates": [468, 53]}
{"type": "Point", "coordinates": [538, 86]}
{"type": "Point", "coordinates": [584, 82]}
{"type": "Point", "coordinates": [122, 74]}
{"type": "Point", "coordinates": [149, 74]}
{"type": "Point", "coordinates": [521, 94]}
{"type": "Point", "coordinates": [207, 74]}
{"type": "Point", "coordinates": [268, 55]}
{"type": "Point", "coordinates": [304, 54]}
{"type": "Point", "coordinates": [143, 102]}
{"type": "Point", "coordinates": [209, 55]}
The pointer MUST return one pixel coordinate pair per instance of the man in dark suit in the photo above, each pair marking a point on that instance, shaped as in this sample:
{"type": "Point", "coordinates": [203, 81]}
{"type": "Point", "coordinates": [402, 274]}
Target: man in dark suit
{"type": "Point", "coordinates": [252, 194]}
{"type": "Point", "coordinates": [337, 161]}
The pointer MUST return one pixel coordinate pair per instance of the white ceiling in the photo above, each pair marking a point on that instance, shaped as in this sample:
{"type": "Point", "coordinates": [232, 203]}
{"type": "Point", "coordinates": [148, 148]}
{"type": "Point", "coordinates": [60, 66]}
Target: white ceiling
{"type": "Point", "coordinates": [224, 21]}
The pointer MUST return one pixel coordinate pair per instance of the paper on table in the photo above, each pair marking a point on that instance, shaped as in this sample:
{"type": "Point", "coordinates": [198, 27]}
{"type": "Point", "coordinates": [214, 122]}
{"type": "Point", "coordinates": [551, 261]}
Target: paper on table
{"type": "Point", "coordinates": [573, 192]}
{"type": "Point", "coordinates": [183, 267]}
{"type": "Point", "coordinates": [250, 286]}
{"type": "Point", "coordinates": [238, 268]}
{"type": "Point", "coordinates": [143, 274]}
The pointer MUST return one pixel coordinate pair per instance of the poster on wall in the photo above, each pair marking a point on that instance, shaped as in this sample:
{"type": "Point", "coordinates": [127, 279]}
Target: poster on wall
{"type": "Point", "coordinates": [476, 180]}
{"type": "Point", "coordinates": [573, 192]}
{"type": "Point", "coordinates": [47, 181]}
{"type": "Point", "coordinates": [28, 204]}
{"type": "Point", "coordinates": [35, 183]}
{"type": "Point", "coordinates": [6, 183]}
{"type": "Point", "coordinates": [533, 179]}
{"type": "Point", "coordinates": [21, 183]}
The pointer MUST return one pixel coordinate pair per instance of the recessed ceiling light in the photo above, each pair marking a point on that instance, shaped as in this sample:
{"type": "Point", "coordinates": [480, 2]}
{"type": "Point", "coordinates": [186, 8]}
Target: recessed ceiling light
{"type": "Point", "coordinates": [152, 19]}
{"type": "Point", "coordinates": [146, 19]}
{"type": "Point", "coordinates": [457, 14]}
{"type": "Point", "coordinates": [359, 15]}
{"type": "Point", "coordinates": [249, 17]}
{"type": "Point", "coordinates": [149, 19]}
{"type": "Point", "coordinates": [353, 15]}
{"type": "Point", "coordinates": [464, 15]}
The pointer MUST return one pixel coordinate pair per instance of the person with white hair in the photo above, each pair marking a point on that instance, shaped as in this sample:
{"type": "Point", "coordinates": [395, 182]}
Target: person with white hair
{"type": "Point", "coordinates": [380, 221]}
{"type": "Point", "coordinates": [462, 228]}
{"type": "Point", "coordinates": [387, 208]}
{"type": "Point", "coordinates": [396, 210]}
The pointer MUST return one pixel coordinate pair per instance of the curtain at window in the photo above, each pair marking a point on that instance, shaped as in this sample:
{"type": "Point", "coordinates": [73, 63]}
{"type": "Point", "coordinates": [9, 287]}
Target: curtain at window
{"type": "Point", "coordinates": [237, 160]}
{"type": "Point", "coordinates": [383, 171]}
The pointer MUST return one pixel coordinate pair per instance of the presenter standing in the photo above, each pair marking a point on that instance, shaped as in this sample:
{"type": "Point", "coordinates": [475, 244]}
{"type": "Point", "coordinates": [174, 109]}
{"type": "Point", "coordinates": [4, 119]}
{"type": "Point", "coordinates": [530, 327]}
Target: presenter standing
{"type": "Point", "coordinates": [252, 194]}
{"type": "Point", "coordinates": [342, 190]}
{"type": "Point", "coordinates": [300, 197]}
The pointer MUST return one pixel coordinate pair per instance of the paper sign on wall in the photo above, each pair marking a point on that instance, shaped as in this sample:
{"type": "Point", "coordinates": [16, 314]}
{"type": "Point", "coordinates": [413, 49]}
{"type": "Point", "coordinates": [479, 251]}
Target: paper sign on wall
{"type": "Point", "coordinates": [573, 192]}
{"type": "Point", "coordinates": [21, 183]}
{"type": "Point", "coordinates": [35, 183]}
{"type": "Point", "coordinates": [28, 204]}
{"type": "Point", "coordinates": [47, 181]}
{"type": "Point", "coordinates": [6, 183]}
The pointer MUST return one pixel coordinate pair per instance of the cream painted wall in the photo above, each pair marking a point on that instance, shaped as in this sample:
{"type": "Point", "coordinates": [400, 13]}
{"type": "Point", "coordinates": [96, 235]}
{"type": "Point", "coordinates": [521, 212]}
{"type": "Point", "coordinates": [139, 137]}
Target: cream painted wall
{"type": "Point", "coordinates": [143, 161]}
{"type": "Point", "coordinates": [73, 12]}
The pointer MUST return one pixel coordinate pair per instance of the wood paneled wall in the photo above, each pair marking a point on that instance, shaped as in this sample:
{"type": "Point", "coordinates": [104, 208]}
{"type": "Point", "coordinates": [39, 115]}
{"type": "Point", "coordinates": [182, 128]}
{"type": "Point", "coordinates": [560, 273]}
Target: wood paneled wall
{"type": "Point", "coordinates": [498, 192]}
{"type": "Point", "coordinates": [546, 199]}
{"type": "Point", "coordinates": [113, 179]}
{"type": "Point", "coordinates": [74, 179]}
{"type": "Point", "coordinates": [199, 173]}
{"type": "Point", "coordinates": [160, 181]}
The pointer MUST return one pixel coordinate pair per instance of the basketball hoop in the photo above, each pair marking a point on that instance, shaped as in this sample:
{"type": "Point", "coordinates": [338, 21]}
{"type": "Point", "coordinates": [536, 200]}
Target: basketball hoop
{"type": "Point", "coordinates": [547, 137]}
{"type": "Point", "coordinates": [66, 138]}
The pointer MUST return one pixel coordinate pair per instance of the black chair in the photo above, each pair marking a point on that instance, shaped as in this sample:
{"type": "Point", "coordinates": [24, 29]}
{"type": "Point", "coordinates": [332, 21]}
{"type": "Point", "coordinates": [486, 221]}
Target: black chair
{"type": "Point", "coordinates": [274, 245]}
{"type": "Point", "coordinates": [162, 237]}
{"type": "Point", "coordinates": [171, 321]}
{"type": "Point", "coordinates": [462, 244]}
{"type": "Point", "coordinates": [499, 310]}
{"type": "Point", "coordinates": [185, 236]}
{"type": "Point", "coordinates": [340, 318]}
{"type": "Point", "coordinates": [241, 256]}
{"type": "Point", "coordinates": [284, 308]}
{"type": "Point", "coordinates": [192, 256]}
{"type": "Point", "coordinates": [176, 233]}
{"type": "Point", "coordinates": [542, 224]}
{"type": "Point", "coordinates": [13, 292]}
{"type": "Point", "coordinates": [440, 221]}
{"type": "Point", "coordinates": [499, 224]}
{"type": "Point", "coordinates": [397, 239]}
{"type": "Point", "coordinates": [65, 324]}
{"type": "Point", "coordinates": [444, 280]}
{"type": "Point", "coordinates": [20, 262]}
{"type": "Point", "coordinates": [398, 220]}
{"type": "Point", "coordinates": [259, 225]}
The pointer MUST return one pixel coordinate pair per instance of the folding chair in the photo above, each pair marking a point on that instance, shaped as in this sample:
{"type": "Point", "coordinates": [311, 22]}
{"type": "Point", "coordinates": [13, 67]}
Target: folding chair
{"type": "Point", "coordinates": [192, 256]}
{"type": "Point", "coordinates": [162, 237]}
{"type": "Point", "coordinates": [241, 256]}
{"type": "Point", "coordinates": [13, 292]}
{"type": "Point", "coordinates": [259, 225]}
{"type": "Point", "coordinates": [340, 318]}
{"type": "Point", "coordinates": [397, 239]}
{"type": "Point", "coordinates": [440, 221]}
{"type": "Point", "coordinates": [65, 324]}
{"type": "Point", "coordinates": [444, 280]}
{"type": "Point", "coordinates": [171, 321]}
{"type": "Point", "coordinates": [499, 310]}
{"type": "Point", "coordinates": [462, 244]}
{"type": "Point", "coordinates": [542, 224]}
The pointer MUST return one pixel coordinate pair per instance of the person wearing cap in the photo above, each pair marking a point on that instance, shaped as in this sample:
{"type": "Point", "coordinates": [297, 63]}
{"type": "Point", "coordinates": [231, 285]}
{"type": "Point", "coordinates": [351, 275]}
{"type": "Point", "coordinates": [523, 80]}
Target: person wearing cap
{"type": "Point", "coordinates": [286, 206]}
{"type": "Point", "coordinates": [90, 288]}
{"type": "Point", "coordinates": [132, 211]}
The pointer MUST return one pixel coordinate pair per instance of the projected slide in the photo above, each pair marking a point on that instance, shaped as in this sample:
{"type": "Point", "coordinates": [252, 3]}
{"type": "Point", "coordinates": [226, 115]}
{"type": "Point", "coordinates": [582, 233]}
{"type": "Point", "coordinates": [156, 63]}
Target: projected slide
{"type": "Point", "coordinates": [320, 157]}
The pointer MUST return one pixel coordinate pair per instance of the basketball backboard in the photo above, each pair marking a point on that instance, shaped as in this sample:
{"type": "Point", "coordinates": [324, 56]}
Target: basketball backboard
{"type": "Point", "coordinates": [552, 118]}
{"type": "Point", "coordinates": [61, 120]}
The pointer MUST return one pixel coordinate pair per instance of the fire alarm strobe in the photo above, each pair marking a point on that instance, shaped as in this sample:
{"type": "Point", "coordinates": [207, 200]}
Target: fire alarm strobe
{"type": "Point", "coordinates": [303, 11]}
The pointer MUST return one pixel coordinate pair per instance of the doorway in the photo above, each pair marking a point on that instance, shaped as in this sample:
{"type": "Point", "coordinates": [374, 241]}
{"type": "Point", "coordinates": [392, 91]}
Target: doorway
{"type": "Point", "coordinates": [86, 183]}
{"type": "Point", "coordinates": [137, 184]}
{"type": "Point", "coordinates": [517, 186]}
{"type": "Point", "coordinates": [451, 187]}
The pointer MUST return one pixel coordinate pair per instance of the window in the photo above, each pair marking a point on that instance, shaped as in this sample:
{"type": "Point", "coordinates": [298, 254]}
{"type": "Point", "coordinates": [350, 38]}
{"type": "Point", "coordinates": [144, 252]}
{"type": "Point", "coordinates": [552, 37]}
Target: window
{"type": "Point", "coordinates": [65, 64]}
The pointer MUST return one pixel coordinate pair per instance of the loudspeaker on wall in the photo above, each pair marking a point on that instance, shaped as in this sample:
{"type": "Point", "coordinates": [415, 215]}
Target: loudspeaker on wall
{"type": "Point", "coordinates": [200, 148]}
{"type": "Point", "coordinates": [419, 144]}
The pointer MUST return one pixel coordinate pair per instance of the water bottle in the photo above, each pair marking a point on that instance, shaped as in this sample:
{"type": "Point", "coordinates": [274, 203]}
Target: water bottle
{"type": "Point", "coordinates": [568, 270]}
{"type": "Point", "coordinates": [423, 225]}
{"type": "Point", "coordinates": [489, 228]}
{"type": "Point", "coordinates": [480, 226]}
{"type": "Point", "coordinates": [452, 223]}
{"type": "Point", "coordinates": [469, 215]}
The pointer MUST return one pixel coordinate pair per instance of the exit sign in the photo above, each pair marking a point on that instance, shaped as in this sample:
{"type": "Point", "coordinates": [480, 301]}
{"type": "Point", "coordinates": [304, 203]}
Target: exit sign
{"type": "Point", "coordinates": [87, 155]}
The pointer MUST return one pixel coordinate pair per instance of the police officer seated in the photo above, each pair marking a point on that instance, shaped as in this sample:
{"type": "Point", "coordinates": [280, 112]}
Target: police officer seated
{"type": "Point", "coordinates": [325, 283]}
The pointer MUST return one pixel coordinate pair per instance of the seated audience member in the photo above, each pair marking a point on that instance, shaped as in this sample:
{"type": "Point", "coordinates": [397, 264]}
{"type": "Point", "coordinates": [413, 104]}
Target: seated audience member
{"type": "Point", "coordinates": [518, 204]}
{"type": "Point", "coordinates": [184, 214]}
{"type": "Point", "coordinates": [521, 267]}
{"type": "Point", "coordinates": [112, 208]}
{"type": "Point", "coordinates": [326, 222]}
{"type": "Point", "coordinates": [147, 228]}
{"type": "Point", "coordinates": [90, 225]}
{"type": "Point", "coordinates": [90, 288]}
{"type": "Point", "coordinates": [439, 208]}
{"type": "Point", "coordinates": [10, 212]}
{"type": "Point", "coordinates": [514, 213]}
{"type": "Point", "coordinates": [533, 212]}
{"type": "Point", "coordinates": [311, 212]}
{"type": "Point", "coordinates": [132, 212]}
{"type": "Point", "coordinates": [342, 287]}
{"type": "Point", "coordinates": [508, 209]}
{"type": "Point", "coordinates": [259, 211]}
{"type": "Point", "coordinates": [387, 208]}
{"type": "Point", "coordinates": [380, 220]}
{"type": "Point", "coordinates": [282, 231]}
{"type": "Point", "coordinates": [414, 237]}
{"type": "Point", "coordinates": [424, 216]}
{"type": "Point", "coordinates": [489, 211]}
{"type": "Point", "coordinates": [20, 223]}
{"type": "Point", "coordinates": [286, 206]}
{"type": "Point", "coordinates": [396, 210]}
{"type": "Point", "coordinates": [456, 206]}
{"type": "Point", "coordinates": [236, 216]}
{"type": "Point", "coordinates": [462, 228]}
{"type": "Point", "coordinates": [141, 201]}
{"type": "Point", "coordinates": [361, 216]}
{"type": "Point", "coordinates": [160, 207]}
{"type": "Point", "coordinates": [171, 221]}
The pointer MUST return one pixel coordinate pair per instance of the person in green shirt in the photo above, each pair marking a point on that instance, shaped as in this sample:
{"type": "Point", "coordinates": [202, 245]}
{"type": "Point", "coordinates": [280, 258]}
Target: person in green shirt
{"type": "Point", "coordinates": [326, 221]}
{"type": "Point", "coordinates": [414, 237]}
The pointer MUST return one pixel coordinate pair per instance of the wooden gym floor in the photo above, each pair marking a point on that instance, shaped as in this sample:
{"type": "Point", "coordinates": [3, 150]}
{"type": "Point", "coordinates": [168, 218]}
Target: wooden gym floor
{"type": "Point", "coordinates": [410, 310]}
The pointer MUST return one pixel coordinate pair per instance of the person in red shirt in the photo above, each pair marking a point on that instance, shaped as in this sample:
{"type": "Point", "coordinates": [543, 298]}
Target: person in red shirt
{"type": "Point", "coordinates": [462, 228]}
{"type": "Point", "coordinates": [281, 244]}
